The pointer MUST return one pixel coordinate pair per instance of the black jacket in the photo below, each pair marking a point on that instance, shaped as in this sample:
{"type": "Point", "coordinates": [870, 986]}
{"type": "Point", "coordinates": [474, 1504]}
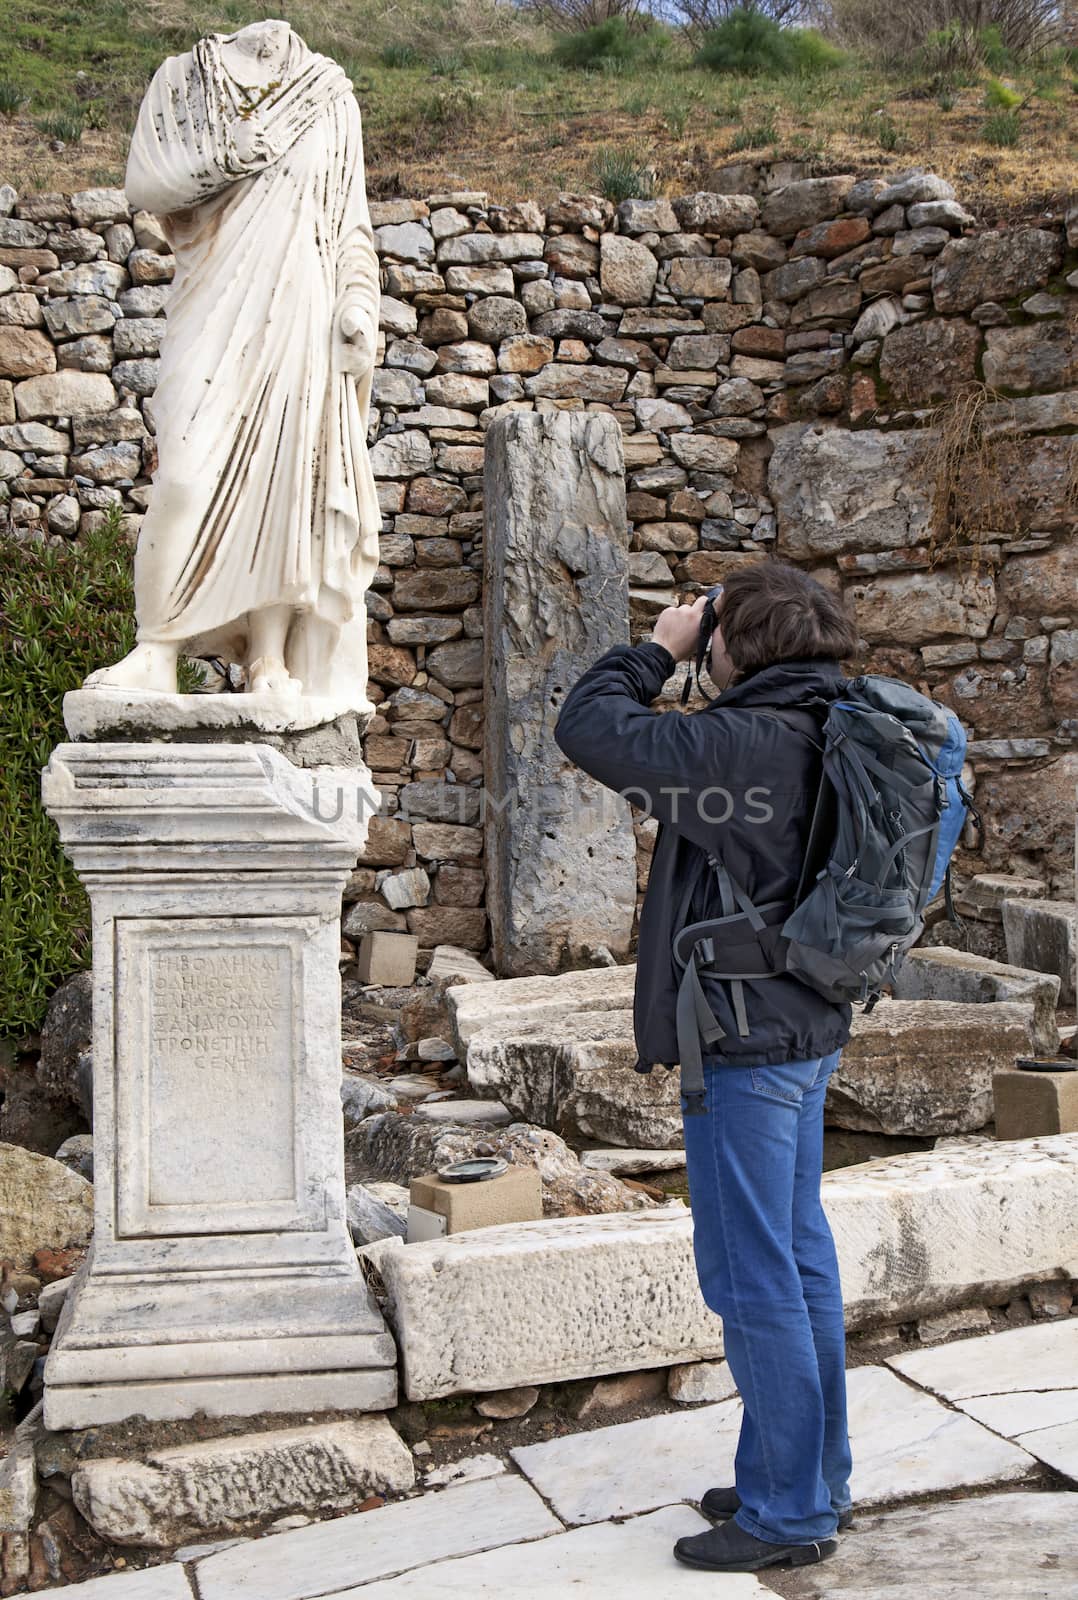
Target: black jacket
{"type": "Point", "coordinates": [711, 778]}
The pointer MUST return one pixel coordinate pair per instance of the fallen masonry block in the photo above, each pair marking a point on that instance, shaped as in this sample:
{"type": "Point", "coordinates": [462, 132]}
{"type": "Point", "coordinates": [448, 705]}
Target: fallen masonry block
{"type": "Point", "coordinates": [926, 1066]}
{"type": "Point", "coordinates": [387, 958]}
{"type": "Point", "coordinates": [916, 1234]}
{"type": "Point", "coordinates": [1029, 1104]}
{"type": "Point", "coordinates": [984, 894]}
{"type": "Point", "coordinates": [510, 1001]}
{"type": "Point", "coordinates": [1041, 935]}
{"type": "Point", "coordinates": [223, 1486]}
{"type": "Point", "coordinates": [943, 974]}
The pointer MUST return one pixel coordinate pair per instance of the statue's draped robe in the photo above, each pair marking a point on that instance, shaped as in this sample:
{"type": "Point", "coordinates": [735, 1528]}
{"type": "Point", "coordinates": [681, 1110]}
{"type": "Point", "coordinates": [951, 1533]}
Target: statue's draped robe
{"type": "Point", "coordinates": [264, 494]}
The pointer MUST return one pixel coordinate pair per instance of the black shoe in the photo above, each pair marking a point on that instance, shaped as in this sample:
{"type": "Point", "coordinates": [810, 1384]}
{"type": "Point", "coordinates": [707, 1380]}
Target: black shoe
{"type": "Point", "coordinates": [728, 1548]}
{"type": "Point", "coordinates": [719, 1504]}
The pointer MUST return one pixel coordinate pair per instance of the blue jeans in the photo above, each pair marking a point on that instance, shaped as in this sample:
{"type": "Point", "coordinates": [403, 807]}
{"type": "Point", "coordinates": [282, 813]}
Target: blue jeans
{"type": "Point", "coordinates": [767, 1265]}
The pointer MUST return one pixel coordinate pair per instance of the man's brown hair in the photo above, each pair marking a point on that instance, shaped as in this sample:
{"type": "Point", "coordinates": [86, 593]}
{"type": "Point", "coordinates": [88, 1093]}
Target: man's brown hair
{"type": "Point", "coordinates": [770, 612]}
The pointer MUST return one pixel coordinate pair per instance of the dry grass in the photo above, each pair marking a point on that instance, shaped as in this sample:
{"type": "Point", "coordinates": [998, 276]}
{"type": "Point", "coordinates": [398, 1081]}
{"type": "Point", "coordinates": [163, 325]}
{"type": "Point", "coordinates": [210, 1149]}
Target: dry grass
{"type": "Point", "coordinates": [473, 99]}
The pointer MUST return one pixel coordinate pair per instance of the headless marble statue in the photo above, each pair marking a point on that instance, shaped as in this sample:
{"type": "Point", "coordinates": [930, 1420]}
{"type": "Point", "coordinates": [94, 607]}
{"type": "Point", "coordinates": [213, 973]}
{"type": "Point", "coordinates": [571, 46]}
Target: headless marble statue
{"type": "Point", "coordinates": [262, 533]}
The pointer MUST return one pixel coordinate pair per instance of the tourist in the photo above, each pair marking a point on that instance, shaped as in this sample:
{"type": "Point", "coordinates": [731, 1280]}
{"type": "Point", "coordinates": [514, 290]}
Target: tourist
{"type": "Point", "coordinates": [733, 787]}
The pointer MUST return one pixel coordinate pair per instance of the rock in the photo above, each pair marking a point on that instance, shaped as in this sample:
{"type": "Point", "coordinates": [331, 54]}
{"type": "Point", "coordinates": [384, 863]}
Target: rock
{"type": "Point", "coordinates": [627, 270]}
{"type": "Point", "coordinates": [362, 1097]}
{"type": "Point", "coordinates": [993, 266]}
{"type": "Point", "coordinates": [407, 241]}
{"type": "Point", "coordinates": [465, 1113]}
{"type": "Point", "coordinates": [969, 1319]}
{"type": "Point", "coordinates": [695, 278]}
{"type": "Point", "coordinates": [984, 894]}
{"type": "Point", "coordinates": [408, 888]}
{"type": "Point", "coordinates": [701, 452]}
{"type": "Point", "coordinates": [106, 279]}
{"type": "Point", "coordinates": [716, 214]}
{"type": "Point", "coordinates": [799, 205]}
{"type": "Point", "coordinates": [24, 353]}
{"type": "Point", "coordinates": [92, 206]}
{"type": "Point", "coordinates": [925, 1066]}
{"type": "Point", "coordinates": [1031, 357]}
{"type": "Point", "coordinates": [402, 455]}
{"type": "Point", "coordinates": [628, 1163]}
{"type": "Point", "coordinates": [471, 249]}
{"type": "Point", "coordinates": [77, 1152]}
{"type": "Point", "coordinates": [929, 360]}
{"type": "Point", "coordinates": [506, 1403]}
{"type": "Point", "coordinates": [50, 1302]}
{"type": "Point", "coordinates": [916, 1234]}
{"type": "Point", "coordinates": [501, 1006]}
{"type": "Point", "coordinates": [647, 216]}
{"type": "Point", "coordinates": [942, 974]}
{"type": "Point", "coordinates": [42, 1203]}
{"type": "Point", "coordinates": [617, 1393]}
{"type": "Point", "coordinates": [837, 489]}
{"type": "Point", "coordinates": [700, 1381]}
{"type": "Point", "coordinates": [228, 1485]}
{"type": "Point", "coordinates": [556, 571]}
{"type": "Point", "coordinates": [909, 608]}
{"type": "Point", "coordinates": [495, 317]}
{"type": "Point", "coordinates": [466, 1471]}
{"type": "Point", "coordinates": [371, 1217]}
{"type": "Point", "coordinates": [570, 380]}
{"type": "Point", "coordinates": [457, 966]}
{"type": "Point", "coordinates": [1041, 936]}
{"type": "Point", "coordinates": [401, 1147]}
{"type": "Point", "coordinates": [63, 394]}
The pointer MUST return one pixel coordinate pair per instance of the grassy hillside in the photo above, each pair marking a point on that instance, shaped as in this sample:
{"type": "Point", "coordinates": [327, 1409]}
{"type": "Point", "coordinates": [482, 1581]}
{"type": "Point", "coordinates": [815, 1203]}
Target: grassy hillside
{"type": "Point", "coordinates": [457, 93]}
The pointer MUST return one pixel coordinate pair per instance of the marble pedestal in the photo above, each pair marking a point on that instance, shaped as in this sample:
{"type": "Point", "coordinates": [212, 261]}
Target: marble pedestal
{"type": "Point", "coordinates": [222, 1277]}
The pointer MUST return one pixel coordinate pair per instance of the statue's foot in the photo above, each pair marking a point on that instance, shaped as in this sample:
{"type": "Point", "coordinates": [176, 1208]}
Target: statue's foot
{"type": "Point", "coordinates": [147, 666]}
{"type": "Point", "coordinates": [269, 675]}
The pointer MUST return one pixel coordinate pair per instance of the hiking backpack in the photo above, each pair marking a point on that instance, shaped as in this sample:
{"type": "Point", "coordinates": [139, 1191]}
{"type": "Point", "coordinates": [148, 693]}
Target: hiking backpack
{"type": "Point", "coordinates": [888, 814]}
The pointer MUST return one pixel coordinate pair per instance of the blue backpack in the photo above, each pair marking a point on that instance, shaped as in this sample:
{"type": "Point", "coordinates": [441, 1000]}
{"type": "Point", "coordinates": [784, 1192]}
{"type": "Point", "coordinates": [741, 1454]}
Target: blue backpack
{"type": "Point", "coordinates": [889, 813]}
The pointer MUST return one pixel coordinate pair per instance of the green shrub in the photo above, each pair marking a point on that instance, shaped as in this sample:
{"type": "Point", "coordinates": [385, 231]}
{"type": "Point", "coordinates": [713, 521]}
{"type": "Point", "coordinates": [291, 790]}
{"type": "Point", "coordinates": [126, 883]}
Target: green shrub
{"type": "Point", "coordinates": [68, 126]}
{"type": "Point", "coordinates": [756, 137]}
{"type": "Point", "coordinates": [1000, 96]}
{"type": "Point", "coordinates": [751, 44]}
{"type": "Point", "coordinates": [64, 610]}
{"type": "Point", "coordinates": [1002, 128]}
{"type": "Point", "coordinates": [622, 174]}
{"type": "Point", "coordinates": [399, 55]}
{"type": "Point", "coordinates": [12, 98]}
{"type": "Point", "coordinates": [611, 46]}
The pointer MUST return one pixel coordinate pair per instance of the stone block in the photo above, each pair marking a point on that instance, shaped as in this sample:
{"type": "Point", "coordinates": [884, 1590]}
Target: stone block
{"type": "Point", "coordinates": [1041, 936]}
{"type": "Point", "coordinates": [63, 394]}
{"type": "Point", "coordinates": [994, 266]}
{"type": "Point", "coordinates": [925, 1066]}
{"type": "Point", "coordinates": [984, 894]}
{"type": "Point", "coordinates": [43, 1204]}
{"type": "Point", "coordinates": [916, 1234]}
{"type": "Point", "coordinates": [561, 873]}
{"type": "Point", "coordinates": [231, 1485]}
{"type": "Point", "coordinates": [943, 974]}
{"type": "Point", "coordinates": [387, 958]}
{"type": "Point", "coordinates": [1030, 1104]}
{"type": "Point", "coordinates": [514, 1196]}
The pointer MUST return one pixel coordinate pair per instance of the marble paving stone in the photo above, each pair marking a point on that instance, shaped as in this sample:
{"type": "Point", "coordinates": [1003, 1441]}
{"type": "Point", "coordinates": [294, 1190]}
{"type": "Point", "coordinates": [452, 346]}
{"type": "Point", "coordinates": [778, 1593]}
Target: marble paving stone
{"type": "Point", "coordinates": [1042, 1356]}
{"type": "Point", "coordinates": [630, 1560]}
{"type": "Point", "coordinates": [329, 1556]}
{"type": "Point", "coordinates": [904, 1444]}
{"type": "Point", "coordinates": [156, 1583]}
{"type": "Point", "coordinates": [1056, 1447]}
{"type": "Point", "coordinates": [996, 1547]}
{"type": "Point", "coordinates": [1025, 1411]}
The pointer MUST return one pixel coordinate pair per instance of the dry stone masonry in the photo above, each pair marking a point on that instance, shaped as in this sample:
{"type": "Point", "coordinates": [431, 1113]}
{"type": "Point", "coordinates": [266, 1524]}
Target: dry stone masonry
{"type": "Point", "coordinates": [771, 354]}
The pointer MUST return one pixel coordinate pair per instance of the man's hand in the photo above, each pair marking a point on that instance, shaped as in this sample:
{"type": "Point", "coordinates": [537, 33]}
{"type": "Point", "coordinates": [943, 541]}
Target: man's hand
{"type": "Point", "coordinates": [678, 629]}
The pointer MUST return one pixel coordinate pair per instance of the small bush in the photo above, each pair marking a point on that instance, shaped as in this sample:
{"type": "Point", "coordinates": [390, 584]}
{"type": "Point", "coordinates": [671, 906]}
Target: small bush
{"type": "Point", "coordinates": [12, 98]}
{"type": "Point", "coordinates": [1002, 128]}
{"type": "Point", "coordinates": [751, 44]}
{"type": "Point", "coordinates": [67, 126]}
{"type": "Point", "coordinates": [1000, 96]}
{"type": "Point", "coordinates": [757, 137]}
{"type": "Point", "coordinates": [623, 174]}
{"type": "Point", "coordinates": [399, 55]}
{"type": "Point", "coordinates": [611, 46]}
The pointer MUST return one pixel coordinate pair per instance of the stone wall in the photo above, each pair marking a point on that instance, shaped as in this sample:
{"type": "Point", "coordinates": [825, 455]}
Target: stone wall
{"type": "Point", "coordinates": [772, 353]}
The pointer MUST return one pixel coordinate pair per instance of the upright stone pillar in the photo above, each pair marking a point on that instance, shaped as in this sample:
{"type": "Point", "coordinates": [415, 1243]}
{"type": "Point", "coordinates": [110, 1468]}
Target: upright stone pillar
{"type": "Point", "coordinates": [222, 1276]}
{"type": "Point", "coordinates": [561, 859]}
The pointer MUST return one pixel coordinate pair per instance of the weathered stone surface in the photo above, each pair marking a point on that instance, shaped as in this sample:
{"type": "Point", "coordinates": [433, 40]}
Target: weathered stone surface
{"type": "Point", "coordinates": [908, 608]}
{"type": "Point", "coordinates": [555, 594]}
{"type": "Point", "coordinates": [627, 270]}
{"type": "Point", "coordinates": [63, 1069]}
{"type": "Point", "coordinates": [577, 1076]}
{"type": "Point", "coordinates": [647, 216]}
{"type": "Point", "coordinates": [915, 1234]}
{"type": "Point", "coordinates": [838, 489]}
{"type": "Point", "coordinates": [501, 1007]}
{"type": "Point", "coordinates": [956, 975]}
{"type": "Point", "coordinates": [721, 214]}
{"type": "Point", "coordinates": [25, 353]}
{"type": "Point", "coordinates": [572, 380]}
{"type": "Point", "coordinates": [925, 1066]}
{"type": "Point", "coordinates": [63, 394]}
{"type": "Point", "coordinates": [471, 249]}
{"type": "Point", "coordinates": [699, 1381]}
{"type": "Point", "coordinates": [1042, 935]}
{"type": "Point", "coordinates": [929, 360]}
{"type": "Point", "coordinates": [223, 1486]}
{"type": "Point", "coordinates": [42, 1204]}
{"type": "Point", "coordinates": [928, 1552]}
{"type": "Point", "coordinates": [376, 1215]}
{"type": "Point", "coordinates": [697, 277]}
{"type": "Point", "coordinates": [993, 266]}
{"type": "Point", "coordinates": [798, 205]}
{"type": "Point", "coordinates": [1031, 357]}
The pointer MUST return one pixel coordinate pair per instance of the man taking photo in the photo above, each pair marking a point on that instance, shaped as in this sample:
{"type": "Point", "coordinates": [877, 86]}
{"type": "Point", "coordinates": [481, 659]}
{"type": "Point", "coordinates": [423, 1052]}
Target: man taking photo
{"type": "Point", "coordinates": [733, 788]}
